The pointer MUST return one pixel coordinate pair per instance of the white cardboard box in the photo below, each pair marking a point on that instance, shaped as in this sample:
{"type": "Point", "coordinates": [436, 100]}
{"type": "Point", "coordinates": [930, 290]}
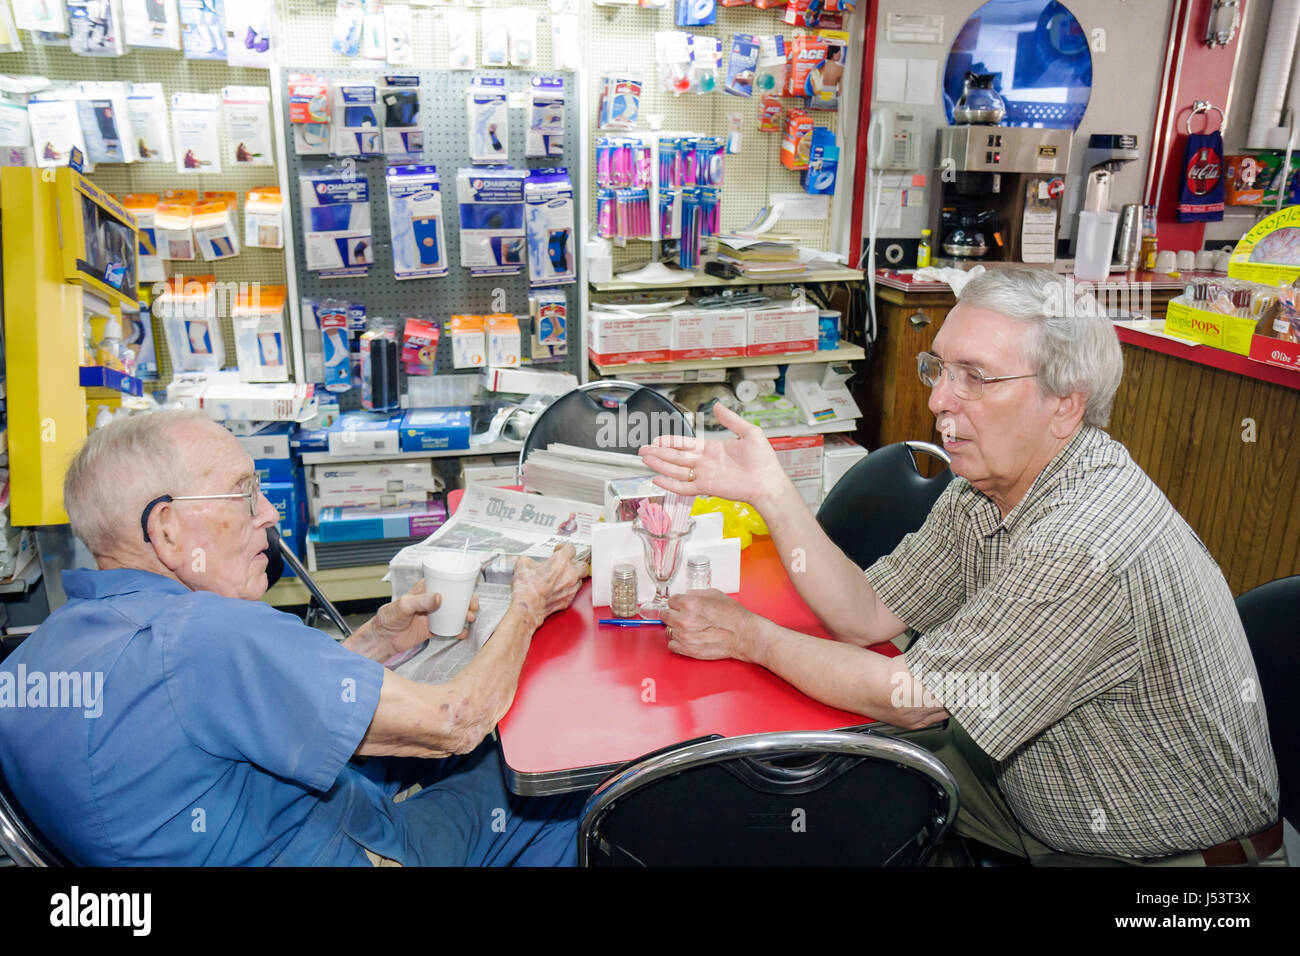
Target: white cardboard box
{"type": "Point", "coordinates": [709, 333]}
{"type": "Point", "coordinates": [528, 381]}
{"type": "Point", "coordinates": [620, 339]}
{"type": "Point", "coordinates": [782, 329]}
{"type": "Point", "coordinates": [495, 471]}
{"type": "Point", "coordinates": [800, 456]}
{"type": "Point", "coordinates": [839, 454]}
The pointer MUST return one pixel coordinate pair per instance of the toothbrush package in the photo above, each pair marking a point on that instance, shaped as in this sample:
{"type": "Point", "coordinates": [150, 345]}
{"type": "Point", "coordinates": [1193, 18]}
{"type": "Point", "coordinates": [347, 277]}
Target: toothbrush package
{"type": "Point", "coordinates": [489, 131]}
{"type": "Point", "coordinates": [491, 220]}
{"type": "Point", "coordinates": [548, 214]}
{"type": "Point", "coordinates": [415, 222]}
{"type": "Point", "coordinates": [545, 135]}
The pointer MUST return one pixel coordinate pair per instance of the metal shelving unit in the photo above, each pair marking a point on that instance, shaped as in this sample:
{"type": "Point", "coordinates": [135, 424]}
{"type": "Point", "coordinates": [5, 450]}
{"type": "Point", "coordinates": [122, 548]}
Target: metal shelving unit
{"type": "Point", "coordinates": [845, 353]}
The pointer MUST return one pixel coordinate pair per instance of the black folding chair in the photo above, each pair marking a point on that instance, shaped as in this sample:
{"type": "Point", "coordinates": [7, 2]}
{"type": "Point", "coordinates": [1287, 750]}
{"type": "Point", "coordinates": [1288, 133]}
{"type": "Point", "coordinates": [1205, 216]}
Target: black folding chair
{"type": "Point", "coordinates": [1269, 614]}
{"type": "Point", "coordinates": [800, 798]}
{"type": "Point", "coordinates": [20, 839]}
{"type": "Point", "coordinates": [880, 500]}
{"type": "Point", "coordinates": [575, 419]}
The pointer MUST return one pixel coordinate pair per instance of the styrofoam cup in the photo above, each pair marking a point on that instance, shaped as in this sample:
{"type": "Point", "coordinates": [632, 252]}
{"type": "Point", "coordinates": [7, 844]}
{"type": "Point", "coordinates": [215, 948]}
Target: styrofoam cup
{"type": "Point", "coordinates": [452, 575]}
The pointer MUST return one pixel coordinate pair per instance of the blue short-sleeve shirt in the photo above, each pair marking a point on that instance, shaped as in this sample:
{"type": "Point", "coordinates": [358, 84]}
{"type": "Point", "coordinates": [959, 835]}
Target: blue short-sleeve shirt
{"type": "Point", "coordinates": [147, 723]}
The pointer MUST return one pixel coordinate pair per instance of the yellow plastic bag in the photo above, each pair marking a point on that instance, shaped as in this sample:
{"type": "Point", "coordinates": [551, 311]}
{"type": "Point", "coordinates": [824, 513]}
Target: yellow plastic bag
{"type": "Point", "coordinates": [739, 519]}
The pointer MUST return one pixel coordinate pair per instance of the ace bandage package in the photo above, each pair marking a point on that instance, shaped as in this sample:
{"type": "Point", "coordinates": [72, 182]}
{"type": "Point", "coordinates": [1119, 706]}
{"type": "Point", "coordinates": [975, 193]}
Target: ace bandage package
{"type": "Point", "coordinates": [260, 343]}
{"type": "Point", "coordinates": [489, 128]}
{"type": "Point", "coordinates": [491, 220]}
{"type": "Point", "coordinates": [415, 222]}
{"type": "Point", "coordinates": [356, 128]}
{"type": "Point", "coordinates": [188, 310]}
{"type": "Point", "coordinates": [545, 135]}
{"type": "Point", "coordinates": [214, 230]}
{"type": "Point", "coordinates": [548, 215]}
{"type": "Point", "coordinates": [264, 218]}
{"type": "Point", "coordinates": [309, 113]}
{"type": "Point", "coordinates": [336, 222]}
{"type": "Point", "coordinates": [400, 104]}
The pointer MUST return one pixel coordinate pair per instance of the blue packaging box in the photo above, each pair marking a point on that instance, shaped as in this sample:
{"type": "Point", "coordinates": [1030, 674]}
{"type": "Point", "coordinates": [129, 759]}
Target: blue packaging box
{"type": "Point", "coordinates": [435, 429]}
{"type": "Point", "coordinates": [274, 469]}
{"type": "Point", "coordinates": [367, 524]}
{"type": "Point", "coordinates": [290, 499]}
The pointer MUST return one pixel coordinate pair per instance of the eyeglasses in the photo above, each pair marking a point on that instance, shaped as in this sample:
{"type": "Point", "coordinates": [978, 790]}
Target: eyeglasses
{"type": "Point", "coordinates": [967, 381]}
{"type": "Point", "coordinates": [253, 494]}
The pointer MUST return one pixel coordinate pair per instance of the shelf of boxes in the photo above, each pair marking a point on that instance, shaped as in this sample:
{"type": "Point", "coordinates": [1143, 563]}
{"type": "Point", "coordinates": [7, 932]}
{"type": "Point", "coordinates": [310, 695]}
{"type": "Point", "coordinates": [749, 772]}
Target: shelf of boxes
{"type": "Point", "coordinates": [338, 584]}
{"type": "Point", "coordinates": [702, 280]}
{"type": "Point", "coordinates": [491, 448]}
{"type": "Point", "coordinates": [844, 353]}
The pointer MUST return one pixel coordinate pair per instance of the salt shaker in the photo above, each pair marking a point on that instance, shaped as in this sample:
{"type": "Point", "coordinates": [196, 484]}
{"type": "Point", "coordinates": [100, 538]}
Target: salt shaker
{"type": "Point", "coordinates": [698, 573]}
{"type": "Point", "coordinates": [622, 600]}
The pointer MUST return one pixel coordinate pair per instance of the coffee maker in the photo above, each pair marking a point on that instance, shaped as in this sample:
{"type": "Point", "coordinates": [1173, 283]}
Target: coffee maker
{"type": "Point", "coordinates": [996, 193]}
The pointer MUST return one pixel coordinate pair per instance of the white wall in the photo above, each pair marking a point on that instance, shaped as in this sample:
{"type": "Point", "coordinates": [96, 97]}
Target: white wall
{"type": "Point", "coordinates": [1125, 86]}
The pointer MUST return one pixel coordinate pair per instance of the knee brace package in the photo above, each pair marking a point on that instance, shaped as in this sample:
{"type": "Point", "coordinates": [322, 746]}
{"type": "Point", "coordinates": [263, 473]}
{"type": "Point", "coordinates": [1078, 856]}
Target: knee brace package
{"type": "Point", "coordinates": [415, 222]}
{"type": "Point", "coordinates": [548, 214]}
{"type": "Point", "coordinates": [491, 220]}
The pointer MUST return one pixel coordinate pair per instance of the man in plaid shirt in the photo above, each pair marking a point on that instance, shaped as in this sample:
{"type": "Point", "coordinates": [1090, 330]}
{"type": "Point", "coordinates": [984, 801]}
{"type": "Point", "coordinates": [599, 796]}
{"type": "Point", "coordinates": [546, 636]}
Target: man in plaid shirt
{"type": "Point", "coordinates": [1101, 698]}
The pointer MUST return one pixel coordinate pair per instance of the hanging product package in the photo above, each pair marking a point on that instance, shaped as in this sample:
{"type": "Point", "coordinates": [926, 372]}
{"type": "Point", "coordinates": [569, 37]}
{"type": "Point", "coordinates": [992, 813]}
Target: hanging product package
{"type": "Point", "coordinates": [336, 222]}
{"type": "Point", "coordinates": [203, 29]}
{"type": "Point", "coordinates": [106, 122]}
{"type": "Point", "coordinates": [196, 135]}
{"type": "Point", "coordinates": [523, 36]}
{"type": "Point", "coordinates": [400, 101]}
{"type": "Point", "coordinates": [250, 33]}
{"type": "Point", "coordinates": [549, 310]}
{"type": "Point", "coordinates": [15, 135]}
{"type": "Point", "coordinates": [379, 363]}
{"type": "Point", "coordinates": [56, 128]}
{"type": "Point", "coordinates": [214, 230]}
{"type": "Point", "coordinates": [152, 23]}
{"type": "Point", "coordinates": [248, 125]}
{"type": "Point", "coordinates": [260, 342]}
{"type": "Point", "coordinates": [489, 130]}
{"type": "Point", "coordinates": [696, 13]}
{"type": "Point", "coordinates": [420, 346]}
{"type": "Point", "coordinates": [147, 106]}
{"type": "Point", "coordinates": [548, 216]}
{"type": "Point", "coordinates": [346, 35]}
{"type": "Point", "coordinates": [468, 344]}
{"type": "Point", "coordinates": [620, 101]}
{"type": "Point", "coordinates": [397, 24]}
{"type": "Point", "coordinates": [95, 27]}
{"type": "Point", "coordinates": [822, 85]}
{"type": "Point", "coordinates": [336, 355]}
{"type": "Point", "coordinates": [706, 61]}
{"type": "Point", "coordinates": [173, 237]}
{"type": "Point", "coordinates": [309, 113]}
{"type": "Point", "coordinates": [496, 36]}
{"type": "Point", "coordinates": [149, 267]}
{"type": "Point", "coordinates": [491, 205]}
{"type": "Point", "coordinates": [462, 39]}
{"type": "Point", "coordinates": [545, 134]}
{"type": "Point", "coordinates": [356, 120]}
{"type": "Point", "coordinates": [188, 312]}
{"type": "Point", "coordinates": [415, 222]}
{"type": "Point", "coordinates": [264, 218]}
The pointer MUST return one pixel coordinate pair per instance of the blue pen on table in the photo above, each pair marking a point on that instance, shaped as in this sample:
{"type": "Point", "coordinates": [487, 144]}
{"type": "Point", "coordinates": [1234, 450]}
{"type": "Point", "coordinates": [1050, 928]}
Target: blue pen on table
{"type": "Point", "coordinates": [630, 622]}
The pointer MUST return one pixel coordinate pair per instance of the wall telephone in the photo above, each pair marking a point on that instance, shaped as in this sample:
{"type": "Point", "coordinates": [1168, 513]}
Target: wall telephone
{"type": "Point", "coordinates": [893, 140]}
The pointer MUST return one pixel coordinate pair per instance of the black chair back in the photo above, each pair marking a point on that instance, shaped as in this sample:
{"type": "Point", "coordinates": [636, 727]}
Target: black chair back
{"type": "Point", "coordinates": [1269, 614]}
{"type": "Point", "coordinates": [607, 415]}
{"type": "Point", "coordinates": [880, 500]}
{"type": "Point", "coordinates": [803, 798]}
{"type": "Point", "coordinates": [20, 840]}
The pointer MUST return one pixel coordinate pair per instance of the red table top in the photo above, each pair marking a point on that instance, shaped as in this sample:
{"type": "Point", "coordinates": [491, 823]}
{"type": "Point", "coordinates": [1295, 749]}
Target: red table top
{"type": "Point", "coordinates": [595, 697]}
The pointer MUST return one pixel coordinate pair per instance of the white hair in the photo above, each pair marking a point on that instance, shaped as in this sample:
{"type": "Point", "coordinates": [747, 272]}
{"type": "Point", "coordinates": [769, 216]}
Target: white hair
{"type": "Point", "coordinates": [1073, 347]}
{"type": "Point", "coordinates": [120, 468]}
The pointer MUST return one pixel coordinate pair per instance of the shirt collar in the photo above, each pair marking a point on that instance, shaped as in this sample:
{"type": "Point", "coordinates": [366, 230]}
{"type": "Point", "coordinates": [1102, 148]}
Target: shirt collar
{"type": "Point", "coordinates": [989, 519]}
{"type": "Point", "coordinates": [82, 583]}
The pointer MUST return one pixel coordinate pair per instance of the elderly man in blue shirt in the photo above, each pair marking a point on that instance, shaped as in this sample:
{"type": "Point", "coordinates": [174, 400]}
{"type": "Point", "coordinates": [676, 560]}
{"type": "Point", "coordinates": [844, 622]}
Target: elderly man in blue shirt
{"type": "Point", "coordinates": [227, 730]}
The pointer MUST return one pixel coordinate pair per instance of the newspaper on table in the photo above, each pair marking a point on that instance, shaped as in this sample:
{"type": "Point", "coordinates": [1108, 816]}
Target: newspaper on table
{"type": "Point", "coordinates": [496, 525]}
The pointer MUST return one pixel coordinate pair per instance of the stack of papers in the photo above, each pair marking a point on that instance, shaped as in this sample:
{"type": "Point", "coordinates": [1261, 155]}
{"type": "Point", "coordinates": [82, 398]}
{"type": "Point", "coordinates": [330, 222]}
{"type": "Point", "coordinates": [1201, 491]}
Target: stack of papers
{"type": "Point", "coordinates": [567, 471]}
{"type": "Point", "coordinates": [764, 256]}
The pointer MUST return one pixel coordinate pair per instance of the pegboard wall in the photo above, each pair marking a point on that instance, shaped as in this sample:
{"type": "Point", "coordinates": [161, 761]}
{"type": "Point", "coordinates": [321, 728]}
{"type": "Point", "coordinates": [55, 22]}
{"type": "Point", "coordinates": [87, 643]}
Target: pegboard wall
{"type": "Point", "coordinates": [621, 40]}
{"type": "Point", "coordinates": [444, 119]}
{"type": "Point", "coordinates": [176, 74]}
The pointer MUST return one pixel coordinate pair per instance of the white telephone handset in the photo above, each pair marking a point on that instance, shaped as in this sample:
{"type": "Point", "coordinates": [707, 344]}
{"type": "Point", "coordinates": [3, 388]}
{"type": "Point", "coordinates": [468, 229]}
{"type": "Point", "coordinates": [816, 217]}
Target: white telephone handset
{"type": "Point", "coordinates": [893, 140]}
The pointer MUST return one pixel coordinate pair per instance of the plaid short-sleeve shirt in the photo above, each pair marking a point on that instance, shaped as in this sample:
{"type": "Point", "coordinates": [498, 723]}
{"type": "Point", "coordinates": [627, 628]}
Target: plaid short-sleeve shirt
{"type": "Point", "coordinates": [1090, 645]}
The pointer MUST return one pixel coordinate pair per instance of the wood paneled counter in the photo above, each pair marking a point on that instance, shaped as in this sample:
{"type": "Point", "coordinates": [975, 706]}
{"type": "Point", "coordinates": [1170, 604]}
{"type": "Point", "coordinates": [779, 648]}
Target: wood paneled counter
{"type": "Point", "coordinates": [1216, 432]}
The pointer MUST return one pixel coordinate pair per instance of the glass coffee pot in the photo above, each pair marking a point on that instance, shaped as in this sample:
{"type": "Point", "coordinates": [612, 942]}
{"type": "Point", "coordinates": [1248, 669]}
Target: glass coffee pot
{"type": "Point", "coordinates": [980, 104]}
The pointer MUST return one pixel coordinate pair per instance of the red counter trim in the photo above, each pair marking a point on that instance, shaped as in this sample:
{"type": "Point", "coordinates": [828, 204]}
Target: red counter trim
{"type": "Point", "coordinates": [1215, 358]}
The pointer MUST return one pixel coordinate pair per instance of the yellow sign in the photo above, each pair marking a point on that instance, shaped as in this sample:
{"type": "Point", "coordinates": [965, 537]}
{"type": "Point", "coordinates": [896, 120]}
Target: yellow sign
{"type": "Point", "coordinates": [1269, 253]}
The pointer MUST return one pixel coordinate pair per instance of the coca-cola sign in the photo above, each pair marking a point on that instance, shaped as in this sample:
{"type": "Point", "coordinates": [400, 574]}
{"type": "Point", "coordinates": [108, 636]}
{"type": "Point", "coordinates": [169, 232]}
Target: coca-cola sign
{"type": "Point", "coordinates": [1204, 171]}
